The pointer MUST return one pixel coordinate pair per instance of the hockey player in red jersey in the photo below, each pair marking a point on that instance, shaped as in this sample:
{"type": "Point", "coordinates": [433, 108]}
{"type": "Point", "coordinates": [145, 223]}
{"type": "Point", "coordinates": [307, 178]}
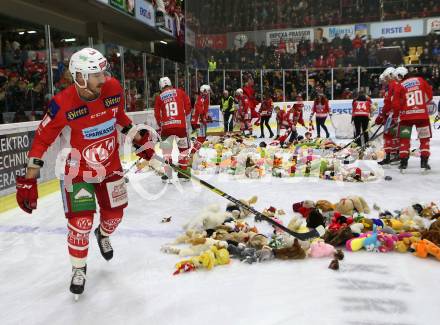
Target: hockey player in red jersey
{"type": "Point", "coordinates": [244, 114]}
{"type": "Point", "coordinates": [200, 117]}
{"type": "Point", "coordinates": [388, 117]}
{"type": "Point", "coordinates": [266, 109]}
{"type": "Point", "coordinates": [322, 109]}
{"type": "Point", "coordinates": [290, 120]}
{"type": "Point", "coordinates": [361, 112]}
{"type": "Point", "coordinates": [412, 95]}
{"type": "Point", "coordinates": [86, 114]}
{"type": "Point", "coordinates": [171, 110]}
{"type": "Point", "coordinates": [249, 91]}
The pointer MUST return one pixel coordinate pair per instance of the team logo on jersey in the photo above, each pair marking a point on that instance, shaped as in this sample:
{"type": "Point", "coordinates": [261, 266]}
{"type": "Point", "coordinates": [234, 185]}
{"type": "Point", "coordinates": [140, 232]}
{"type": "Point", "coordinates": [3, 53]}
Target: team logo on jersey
{"type": "Point", "coordinates": [100, 130]}
{"type": "Point", "coordinates": [118, 192]}
{"type": "Point", "coordinates": [168, 95]}
{"type": "Point", "coordinates": [77, 113]}
{"type": "Point", "coordinates": [99, 151]}
{"type": "Point", "coordinates": [112, 101]}
{"type": "Point", "coordinates": [411, 83]}
{"type": "Point", "coordinates": [53, 108]}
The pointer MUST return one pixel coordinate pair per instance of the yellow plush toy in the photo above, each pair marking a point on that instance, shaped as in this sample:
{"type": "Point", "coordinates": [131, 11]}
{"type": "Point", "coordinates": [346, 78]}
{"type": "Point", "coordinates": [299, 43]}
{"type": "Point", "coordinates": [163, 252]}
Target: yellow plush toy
{"type": "Point", "coordinates": [402, 246]}
{"type": "Point", "coordinates": [208, 259]}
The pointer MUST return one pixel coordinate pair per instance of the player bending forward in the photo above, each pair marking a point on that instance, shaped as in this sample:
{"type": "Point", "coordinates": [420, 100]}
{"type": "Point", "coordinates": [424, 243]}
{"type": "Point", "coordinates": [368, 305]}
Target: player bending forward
{"type": "Point", "coordinates": [86, 113]}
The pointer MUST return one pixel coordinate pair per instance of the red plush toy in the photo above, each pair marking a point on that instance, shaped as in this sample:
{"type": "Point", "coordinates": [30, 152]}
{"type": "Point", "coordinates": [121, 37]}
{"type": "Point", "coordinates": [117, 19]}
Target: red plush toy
{"type": "Point", "coordinates": [339, 221]}
{"type": "Point", "coordinates": [303, 207]}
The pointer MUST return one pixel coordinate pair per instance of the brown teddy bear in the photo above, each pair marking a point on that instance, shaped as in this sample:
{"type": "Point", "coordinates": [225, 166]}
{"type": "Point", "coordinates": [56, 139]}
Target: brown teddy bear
{"type": "Point", "coordinates": [351, 204]}
{"type": "Point", "coordinates": [433, 234]}
{"type": "Point", "coordinates": [324, 205]}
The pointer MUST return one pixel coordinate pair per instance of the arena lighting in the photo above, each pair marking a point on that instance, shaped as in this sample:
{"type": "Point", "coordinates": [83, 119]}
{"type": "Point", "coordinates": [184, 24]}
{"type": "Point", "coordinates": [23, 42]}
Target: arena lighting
{"type": "Point", "coordinates": [31, 32]}
{"type": "Point", "coordinates": [163, 42]}
{"type": "Point", "coordinates": [67, 40]}
{"type": "Point", "coordinates": [118, 54]}
{"type": "Point", "coordinates": [20, 33]}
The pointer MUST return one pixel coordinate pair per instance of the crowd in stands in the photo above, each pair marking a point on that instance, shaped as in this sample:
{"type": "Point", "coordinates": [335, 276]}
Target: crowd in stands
{"type": "Point", "coordinates": [342, 54]}
{"type": "Point", "coordinates": [220, 16]}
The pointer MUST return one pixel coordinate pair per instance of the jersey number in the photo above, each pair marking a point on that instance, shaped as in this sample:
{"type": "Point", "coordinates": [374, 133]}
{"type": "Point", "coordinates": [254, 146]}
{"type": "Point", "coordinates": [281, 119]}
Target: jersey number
{"type": "Point", "coordinates": [171, 109]}
{"type": "Point", "coordinates": [414, 98]}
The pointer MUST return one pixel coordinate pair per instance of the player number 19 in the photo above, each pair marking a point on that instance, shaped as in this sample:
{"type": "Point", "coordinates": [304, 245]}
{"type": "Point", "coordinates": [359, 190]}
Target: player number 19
{"type": "Point", "coordinates": [171, 108]}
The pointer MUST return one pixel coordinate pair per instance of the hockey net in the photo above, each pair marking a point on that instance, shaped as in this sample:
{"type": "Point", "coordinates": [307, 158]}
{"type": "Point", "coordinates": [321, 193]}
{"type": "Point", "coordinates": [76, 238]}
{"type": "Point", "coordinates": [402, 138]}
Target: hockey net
{"type": "Point", "coordinates": [342, 125]}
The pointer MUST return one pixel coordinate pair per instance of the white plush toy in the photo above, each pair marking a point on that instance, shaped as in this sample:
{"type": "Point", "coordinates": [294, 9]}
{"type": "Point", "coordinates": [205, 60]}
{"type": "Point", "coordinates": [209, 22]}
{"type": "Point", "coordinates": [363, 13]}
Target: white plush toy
{"type": "Point", "coordinates": [194, 250]}
{"type": "Point", "coordinates": [209, 218]}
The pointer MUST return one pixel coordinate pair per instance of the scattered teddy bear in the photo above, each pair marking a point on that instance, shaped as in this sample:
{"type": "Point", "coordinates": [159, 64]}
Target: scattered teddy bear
{"type": "Point", "coordinates": [351, 204]}
{"type": "Point", "coordinates": [294, 252]}
{"type": "Point", "coordinates": [196, 248]}
{"type": "Point", "coordinates": [433, 233]}
{"type": "Point", "coordinates": [209, 218]}
{"type": "Point", "coordinates": [324, 206]}
{"type": "Point", "coordinates": [303, 207]}
{"type": "Point", "coordinates": [239, 212]}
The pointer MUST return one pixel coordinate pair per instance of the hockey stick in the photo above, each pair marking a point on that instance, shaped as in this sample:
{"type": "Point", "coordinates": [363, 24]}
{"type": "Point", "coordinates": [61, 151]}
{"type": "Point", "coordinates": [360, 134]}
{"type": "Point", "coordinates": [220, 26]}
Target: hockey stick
{"type": "Point", "coordinates": [355, 139]}
{"type": "Point", "coordinates": [313, 233]}
{"type": "Point", "coordinates": [373, 137]}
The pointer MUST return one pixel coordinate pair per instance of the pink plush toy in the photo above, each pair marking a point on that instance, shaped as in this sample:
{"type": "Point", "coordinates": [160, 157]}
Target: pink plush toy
{"type": "Point", "coordinates": [321, 249]}
{"type": "Point", "coordinates": [387, 242]}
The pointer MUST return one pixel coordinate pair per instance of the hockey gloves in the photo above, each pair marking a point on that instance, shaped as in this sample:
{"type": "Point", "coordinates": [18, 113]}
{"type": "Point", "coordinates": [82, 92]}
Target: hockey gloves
{"type": "Point", "coordinates": [144, 146]}
{"type": "Point", "coordinates": [27, 193]}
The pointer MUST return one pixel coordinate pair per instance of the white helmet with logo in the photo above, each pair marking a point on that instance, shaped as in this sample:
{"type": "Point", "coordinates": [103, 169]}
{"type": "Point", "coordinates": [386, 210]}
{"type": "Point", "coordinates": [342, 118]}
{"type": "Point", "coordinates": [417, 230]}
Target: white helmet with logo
{"type": "Point", "coordinates": [400, 72]}
{"type": "Point", "coordinates": [204, 88]}
{"type": "Point", "coordinates": [85, 62]}
{"type": "Point", "coordinates": [164, 82]}
{"type": "Point", "coordinates": [239, 91]}
{"type": "Point", "coordinates": [388, 72]}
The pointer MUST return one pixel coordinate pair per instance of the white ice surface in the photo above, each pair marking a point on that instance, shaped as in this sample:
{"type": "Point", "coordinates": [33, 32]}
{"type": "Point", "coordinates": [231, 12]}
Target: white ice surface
{"type": "Point", "coordinates": [137, 286]}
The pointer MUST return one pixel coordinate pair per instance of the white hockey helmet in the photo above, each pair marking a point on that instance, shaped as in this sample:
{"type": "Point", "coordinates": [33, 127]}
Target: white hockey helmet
{"type": "Point", "coordinates": [164, 82]}
{"type": "Point", "coordinates": [205, 88]}
{"type": "Point", "coordinates": [85, 62]}
{"type": "Point", "coordinates": [382, 77]}
{"type": "Point", "coordinates": [400, 73]}
{"type": "Point", "coordinates": [388, 73]}
{"type": "Point", "coordinates": [239, 91]}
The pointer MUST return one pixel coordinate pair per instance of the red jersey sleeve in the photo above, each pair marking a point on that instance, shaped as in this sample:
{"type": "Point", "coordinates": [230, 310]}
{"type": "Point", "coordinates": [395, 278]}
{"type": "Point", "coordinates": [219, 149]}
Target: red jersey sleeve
{"type": "Point", "coordinates": [48, 130]}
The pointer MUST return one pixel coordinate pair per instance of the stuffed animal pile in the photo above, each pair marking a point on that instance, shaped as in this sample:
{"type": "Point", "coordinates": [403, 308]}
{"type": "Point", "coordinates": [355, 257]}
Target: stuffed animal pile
{"type": "Point", "coordinates": [243, 158]}
{"type": "Point", "coordinates": [217, 236]}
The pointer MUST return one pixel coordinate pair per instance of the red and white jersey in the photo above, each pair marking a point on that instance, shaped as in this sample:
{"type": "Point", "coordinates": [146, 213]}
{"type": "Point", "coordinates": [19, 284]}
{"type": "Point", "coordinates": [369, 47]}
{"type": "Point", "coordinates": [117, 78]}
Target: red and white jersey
{"type": "Point", "coordinates": [292, 117]}
{"type": "Point", "coordinates": [361, 108]}
{"type": "Point", "coordinates": [89, 127]}
{"type": "Point", "coordinates": [171, 108]}
{"type": "Point", "coordinates": [244, 108]}
{"type": "Point", "coordinates": [201, 108]}
{"type": "Point", "coordinates": [296, 114]}
{"type": "Point", "coordinates": [266, 107]}
{"type": "Point", "coordinates": [283, 120]}
{"type": "Point", "coordinates": [321, 109]}
{"type": "Point", "coordinates": [412, 96]}
{"type": "Point", "coordinates": [394, 108]}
